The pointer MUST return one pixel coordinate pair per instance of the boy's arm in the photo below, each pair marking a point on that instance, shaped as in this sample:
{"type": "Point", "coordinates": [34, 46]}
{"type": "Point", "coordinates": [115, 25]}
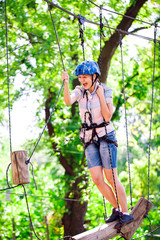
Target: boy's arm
{"type": "Point", "coordinates": [106, 108]}
{"type": "Point", "coordinates": [65, 78]}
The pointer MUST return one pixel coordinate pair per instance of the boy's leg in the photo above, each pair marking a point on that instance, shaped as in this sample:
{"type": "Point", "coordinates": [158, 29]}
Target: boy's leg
{"type": "Point", "coordinates": [119, 187]}
{"type": "Point", "coordinates": [125, 216]}
{"type": "Point", "coordinates": [104, 188]}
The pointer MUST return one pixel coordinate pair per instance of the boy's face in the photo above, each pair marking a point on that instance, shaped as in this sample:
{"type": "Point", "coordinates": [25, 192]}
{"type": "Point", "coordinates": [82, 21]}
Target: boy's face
{"type": "Point", "coordinates": [85, 80]}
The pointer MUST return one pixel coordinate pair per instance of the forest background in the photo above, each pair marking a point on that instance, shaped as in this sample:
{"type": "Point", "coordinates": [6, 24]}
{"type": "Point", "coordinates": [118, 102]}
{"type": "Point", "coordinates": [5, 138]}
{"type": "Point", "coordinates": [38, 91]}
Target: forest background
{"type": "Point", "coordinates": [67, 202]}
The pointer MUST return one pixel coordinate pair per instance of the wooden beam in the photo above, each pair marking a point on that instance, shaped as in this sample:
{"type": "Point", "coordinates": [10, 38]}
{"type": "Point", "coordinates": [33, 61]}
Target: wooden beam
{"type": "Point", "coordinates": [138, 212]}
{"type": "Point", "coordinates": [104, 232]}
{"type": "Point", "coordinates": [108, 231]}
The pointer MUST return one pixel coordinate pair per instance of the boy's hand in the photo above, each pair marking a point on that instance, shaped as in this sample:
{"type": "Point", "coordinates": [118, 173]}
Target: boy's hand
{"type": "Point", "coordinates": [100, 91]}
{"type": "Point", "coordinates": [65, 77]}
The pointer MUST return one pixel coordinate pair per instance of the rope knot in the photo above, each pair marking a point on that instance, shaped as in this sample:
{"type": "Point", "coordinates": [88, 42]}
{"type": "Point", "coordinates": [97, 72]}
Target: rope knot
{"type": "Point", "coordinates": [81, 19]}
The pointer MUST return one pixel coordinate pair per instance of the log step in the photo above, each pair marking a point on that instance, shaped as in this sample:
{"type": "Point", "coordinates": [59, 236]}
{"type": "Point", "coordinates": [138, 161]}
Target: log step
{"type": "Point", "coordinates": [107, 231]}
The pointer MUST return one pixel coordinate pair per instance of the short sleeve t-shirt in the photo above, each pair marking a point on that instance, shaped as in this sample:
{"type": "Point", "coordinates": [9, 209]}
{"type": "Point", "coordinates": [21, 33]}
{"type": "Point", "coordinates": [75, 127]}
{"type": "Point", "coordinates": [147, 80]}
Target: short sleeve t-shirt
{"type": "Point", "coordinates": [92, 106]}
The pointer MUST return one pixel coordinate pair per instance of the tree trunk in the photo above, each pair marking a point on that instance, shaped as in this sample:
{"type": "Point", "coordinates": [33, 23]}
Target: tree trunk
{"type": "Point", "coordinates": [74, 222]}
{"type": "Point", "coordinates": [113, 42]}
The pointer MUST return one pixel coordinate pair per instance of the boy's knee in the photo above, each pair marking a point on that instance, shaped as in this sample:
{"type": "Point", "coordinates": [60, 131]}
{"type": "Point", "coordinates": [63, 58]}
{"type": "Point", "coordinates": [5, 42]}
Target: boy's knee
{"type": "Point", "coordinates": [97, 181]}
{"type": "Point", "coordinates": [112, 181]}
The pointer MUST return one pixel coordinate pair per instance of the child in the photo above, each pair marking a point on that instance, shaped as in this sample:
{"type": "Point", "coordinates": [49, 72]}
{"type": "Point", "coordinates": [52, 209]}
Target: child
{"type": "Point", "coordinates": [98, 135]}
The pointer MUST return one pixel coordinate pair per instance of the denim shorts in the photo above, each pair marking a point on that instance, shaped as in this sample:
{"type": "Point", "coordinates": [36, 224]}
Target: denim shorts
{"type": "Point", "coordinates": [99, 155]}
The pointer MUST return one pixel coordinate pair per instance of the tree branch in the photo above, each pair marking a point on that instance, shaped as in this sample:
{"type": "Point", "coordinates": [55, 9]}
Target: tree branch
{"type": "Point", "coordinates": [29, 34]}
{"type": "Point", "coordinates": [138, 29]}
{"type": "Point", "coordinates": [113, 42]}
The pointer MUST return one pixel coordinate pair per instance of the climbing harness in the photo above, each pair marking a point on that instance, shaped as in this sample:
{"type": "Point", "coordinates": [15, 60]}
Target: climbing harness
{"type": "Point", "coordinates": [93, 126]}
{"type": "Point", "coordinates": [95, 139]}
{"type": "Point", "coordinates": [85, 127]}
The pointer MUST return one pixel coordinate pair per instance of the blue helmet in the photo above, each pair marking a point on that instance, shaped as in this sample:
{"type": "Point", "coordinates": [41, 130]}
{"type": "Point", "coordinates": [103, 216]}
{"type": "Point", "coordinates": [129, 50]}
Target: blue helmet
{"type": "Point", "coordinates": [87, 67]}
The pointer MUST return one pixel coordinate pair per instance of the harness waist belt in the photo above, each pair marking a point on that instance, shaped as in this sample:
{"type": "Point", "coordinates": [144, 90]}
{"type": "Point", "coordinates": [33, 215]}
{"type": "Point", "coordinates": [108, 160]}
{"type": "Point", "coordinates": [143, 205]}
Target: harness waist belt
{"type": "Point", "coordinates": [97, 142]}
{"type": "Point", "coordinates": [94, 125]}
{"type": "Point", "coordinates": [108, 140]}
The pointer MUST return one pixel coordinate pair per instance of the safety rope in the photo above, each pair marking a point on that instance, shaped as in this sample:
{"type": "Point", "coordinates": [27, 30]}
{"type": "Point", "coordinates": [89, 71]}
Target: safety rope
{"type": "Point", "coordinates": [81, 21]}
{"type": "Point", "coordinates": [115, 187]}
{"type": "Point", "coordinates": [25, 194]}
{"type": "Point", "coordinates": [110, 157]}
{"type": "Point", "coordinates": [100, 66]}
{"type": "Point", "coordinates": [60, 52]}
{"type": "Point", "coordinates": [8, 80]}
{"type": "Point", "coordinates": [126, 125]}
{"type": "Point", "coordinates": [150, 128]}
{"type": "Point", "coordinates": [91, 22]}
{"type": "Point", "coordinates": [123, 15]}
{"type": "Point", "coordinates": [53, 197]}
{"type": "Point", "coordinates": [101, 34]}
{"type": "Point", "coordinates": [29, 214]}
{"type": "Point", "coordinates": [140, 237]}
{"type": "Point", "coordinates": [4, 189]}
{"type": "Point", "coordinates": [53, 109]}
{"type": "Point", "coordinates": [7, 174]}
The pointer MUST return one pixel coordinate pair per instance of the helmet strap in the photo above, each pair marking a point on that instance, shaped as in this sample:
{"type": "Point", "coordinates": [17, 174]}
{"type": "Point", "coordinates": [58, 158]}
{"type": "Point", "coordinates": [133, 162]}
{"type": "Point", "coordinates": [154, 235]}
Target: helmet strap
{"type": "Point", "coordinates": [93, 81]}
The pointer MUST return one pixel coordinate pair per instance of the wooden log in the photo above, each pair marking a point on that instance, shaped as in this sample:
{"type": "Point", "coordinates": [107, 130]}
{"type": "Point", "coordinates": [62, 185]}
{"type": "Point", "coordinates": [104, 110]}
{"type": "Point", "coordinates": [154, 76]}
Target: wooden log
{"type": "Point", "coordinates": [138, 212]}
{"type": "Point", "coordinates": [20, 170]}
{"type": "Point", "coordinates": [103, 232]}
{"type": "Point", "coordinates": [108, 231]}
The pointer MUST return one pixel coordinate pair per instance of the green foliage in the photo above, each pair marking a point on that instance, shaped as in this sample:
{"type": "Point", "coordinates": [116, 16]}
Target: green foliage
{"type": "Point", "coordinates": [34, 55]}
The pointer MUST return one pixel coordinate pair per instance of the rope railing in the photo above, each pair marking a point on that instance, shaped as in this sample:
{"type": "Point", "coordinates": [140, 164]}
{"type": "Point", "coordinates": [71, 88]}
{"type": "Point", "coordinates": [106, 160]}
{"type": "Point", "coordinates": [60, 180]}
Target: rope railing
{"type": "Point", "coordinates": [98, 24]}
{"type": "Point", "coordinates": [123, 15]}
